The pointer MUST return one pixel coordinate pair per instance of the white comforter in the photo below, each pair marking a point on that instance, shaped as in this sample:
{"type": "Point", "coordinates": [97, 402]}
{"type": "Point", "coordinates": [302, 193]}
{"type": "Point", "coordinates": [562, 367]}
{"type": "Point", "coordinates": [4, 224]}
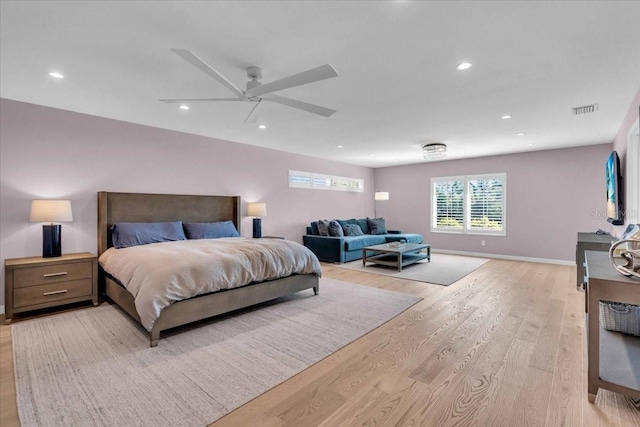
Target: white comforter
{"type": "Point", "coordinates": [159, 274]}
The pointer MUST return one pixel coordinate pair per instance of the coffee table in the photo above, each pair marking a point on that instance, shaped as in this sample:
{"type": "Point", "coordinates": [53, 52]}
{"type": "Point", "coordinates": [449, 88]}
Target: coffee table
{"type": "Point", "coordinates": [400, 256]}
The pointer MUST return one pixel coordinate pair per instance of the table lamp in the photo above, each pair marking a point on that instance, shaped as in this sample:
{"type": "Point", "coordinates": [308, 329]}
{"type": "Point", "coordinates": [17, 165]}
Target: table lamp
{"type": "Point", "coordinates": [51, 211]}
{"type": "Point", "coordinates": [257, 210]}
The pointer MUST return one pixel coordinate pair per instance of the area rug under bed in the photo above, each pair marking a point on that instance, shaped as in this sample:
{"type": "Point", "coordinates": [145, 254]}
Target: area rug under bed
{"type": "Point", "coordinates": [95, 367]}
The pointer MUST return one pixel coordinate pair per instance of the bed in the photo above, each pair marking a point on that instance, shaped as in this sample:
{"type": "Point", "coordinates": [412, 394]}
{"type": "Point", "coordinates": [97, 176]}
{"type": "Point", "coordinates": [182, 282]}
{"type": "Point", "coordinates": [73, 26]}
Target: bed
{"type": "Point", "coordinates": [146, 208]}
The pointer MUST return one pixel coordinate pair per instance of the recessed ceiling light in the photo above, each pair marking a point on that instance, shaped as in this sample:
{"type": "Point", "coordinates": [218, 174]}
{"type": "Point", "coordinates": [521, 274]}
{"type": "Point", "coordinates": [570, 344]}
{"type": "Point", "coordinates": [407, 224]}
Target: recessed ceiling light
{"type": "Point", "coordinates": [464, 66]}
{"type": "Point", "coordinates": [56, 75]}
{"type": "Point", "coordinates": [520, 134]}
{"type": "Point", "coordinates": [262, 126]}
{"type": "Point", "coordinates": [506, 116]}
{"type": "Point", "coordinates": [529, 145]}
{"type": "Point", "coordinates": [339, 146]}
{"type": "Point", "coordinates": [184, 107]}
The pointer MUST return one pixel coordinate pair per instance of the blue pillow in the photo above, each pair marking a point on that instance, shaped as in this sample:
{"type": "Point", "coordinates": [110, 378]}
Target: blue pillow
{"type": "Point", "coordinates": [377, 226]}
{"type": "Point", "coordinates": [210, 230]}
{"type": "Point", "coordinates": [352, 230]}
{"type": "Point", "coordinates": [314, 228]}
{"type": "Point", "coordinates": [323, 227]}
{"type": "Point", "coordinates": [344, 222]}
{"type": "Point", "coordinates": [126, 234]}
{"type": "Point", "coordinates": [335, 229]}
{"type": "Point", "coordinates": [364, 225]}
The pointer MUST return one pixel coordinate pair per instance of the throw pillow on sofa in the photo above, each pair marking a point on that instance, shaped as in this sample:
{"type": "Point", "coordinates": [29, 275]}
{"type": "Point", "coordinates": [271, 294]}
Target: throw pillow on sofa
{"type": "Point", "coordinates": [364, 225]}
{"type": "Point", "coordinates": [323, 227]}
{"type": "Point", "coordinates": [314, 228]}
{"type": "Point", "coordinates": [377, 226]}
{"type": "Point", "coordinates": [335, 229]}
{"type": "Point", "coordinates": [352, 230]}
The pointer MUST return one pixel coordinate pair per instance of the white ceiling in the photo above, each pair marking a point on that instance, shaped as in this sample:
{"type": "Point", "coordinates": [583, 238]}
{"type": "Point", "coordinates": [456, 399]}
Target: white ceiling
{"type": "Point", "coordinates": [397, 87]}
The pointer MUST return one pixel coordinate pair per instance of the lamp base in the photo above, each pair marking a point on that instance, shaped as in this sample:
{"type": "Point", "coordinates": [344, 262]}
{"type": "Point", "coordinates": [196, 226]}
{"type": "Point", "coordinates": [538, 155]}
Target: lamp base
{"type": "Point", "coordinates": [51, 240]}
{"type": "Point", "coordinates": [257, 228]}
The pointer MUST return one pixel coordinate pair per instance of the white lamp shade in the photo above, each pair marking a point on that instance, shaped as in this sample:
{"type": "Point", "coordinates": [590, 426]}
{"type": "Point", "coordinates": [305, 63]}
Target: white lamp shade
{"type": "Point", "coordinates": [50, 211]}
{"type": "Point", "coordinates": [257, 209]}
{"type": "Point", "coordinates": [382, 195]}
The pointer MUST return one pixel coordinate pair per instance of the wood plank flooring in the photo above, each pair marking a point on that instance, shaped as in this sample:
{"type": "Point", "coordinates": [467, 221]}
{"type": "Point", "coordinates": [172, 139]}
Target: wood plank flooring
{"type": "Point", "coordinates": [504, 346]}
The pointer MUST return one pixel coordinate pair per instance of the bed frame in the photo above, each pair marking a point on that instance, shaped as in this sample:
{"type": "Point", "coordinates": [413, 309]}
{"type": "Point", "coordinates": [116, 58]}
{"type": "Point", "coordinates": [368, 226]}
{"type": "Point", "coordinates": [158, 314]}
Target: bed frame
{"type": "Point", "coordinates": [140, 207]}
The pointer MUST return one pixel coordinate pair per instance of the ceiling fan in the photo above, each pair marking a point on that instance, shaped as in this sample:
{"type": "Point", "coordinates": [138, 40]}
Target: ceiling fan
{"type": "Point", "coordinates": [257, 92]}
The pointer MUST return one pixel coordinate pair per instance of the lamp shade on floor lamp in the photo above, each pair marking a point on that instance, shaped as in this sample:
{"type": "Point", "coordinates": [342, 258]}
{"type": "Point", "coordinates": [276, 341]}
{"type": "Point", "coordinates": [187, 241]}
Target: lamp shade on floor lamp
{"type": "Point", "coordinates": [51, 211]}
{"type": "Point", "coordinates": [257, 210]}
{"type": "Point", "coordinates": [379, 196]}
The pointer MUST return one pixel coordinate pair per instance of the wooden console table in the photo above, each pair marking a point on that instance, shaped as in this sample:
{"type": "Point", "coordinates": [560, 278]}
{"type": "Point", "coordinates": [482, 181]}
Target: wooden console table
{"type": "Point", "coordinates": [616, 357]}
{"type": "Point", "coordinates": [589, 242]}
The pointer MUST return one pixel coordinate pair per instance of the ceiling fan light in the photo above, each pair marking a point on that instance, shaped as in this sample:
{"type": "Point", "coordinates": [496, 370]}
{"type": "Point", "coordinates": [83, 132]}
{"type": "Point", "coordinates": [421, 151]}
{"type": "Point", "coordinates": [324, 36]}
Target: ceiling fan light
{"type": "Point", "coordinates": [434, 150]}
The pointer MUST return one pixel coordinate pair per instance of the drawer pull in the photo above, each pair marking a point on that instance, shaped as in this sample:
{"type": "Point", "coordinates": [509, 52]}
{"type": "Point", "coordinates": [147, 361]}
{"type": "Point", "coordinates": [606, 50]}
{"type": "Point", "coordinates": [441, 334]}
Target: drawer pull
{"type": "Point", "coordinates": [55, 292]}
{"type": "Point", "coordinates": [62, 273]}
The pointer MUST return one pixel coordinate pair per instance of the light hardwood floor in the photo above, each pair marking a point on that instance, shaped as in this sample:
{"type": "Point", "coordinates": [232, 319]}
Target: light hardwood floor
{"type": "Point", "coordinates": [504, 346]}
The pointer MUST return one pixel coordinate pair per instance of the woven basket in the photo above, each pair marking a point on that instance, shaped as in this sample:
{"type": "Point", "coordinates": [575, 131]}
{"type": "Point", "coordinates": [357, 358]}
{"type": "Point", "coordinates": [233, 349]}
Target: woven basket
{"type": "Point", "coordinates": [620, 317]}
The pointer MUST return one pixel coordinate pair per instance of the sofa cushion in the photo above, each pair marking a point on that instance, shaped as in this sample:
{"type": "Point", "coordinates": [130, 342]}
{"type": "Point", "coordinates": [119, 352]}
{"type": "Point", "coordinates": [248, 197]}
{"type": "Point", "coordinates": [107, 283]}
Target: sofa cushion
{"type": "Point", "coordinates": [377, 226]}
{"type": "Point", "coordinates": [323, 227]}
{"type": "Point", "coordinates": [352, 230]}
{"type": "Point", "coordinates": [344, 222]}
{"type": "Point", "coordinates": [354, 243]}
{"type": "Point", "coordinates": [335, 229]}
{"type": "Point", "coordinates": [314, 228]}
{"type": "Point", "coordinates": [364, 225]}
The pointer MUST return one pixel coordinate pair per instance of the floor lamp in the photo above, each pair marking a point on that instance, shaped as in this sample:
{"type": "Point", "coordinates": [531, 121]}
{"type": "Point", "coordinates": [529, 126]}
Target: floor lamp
{"type": "Point", "coordinates": [379, 196]}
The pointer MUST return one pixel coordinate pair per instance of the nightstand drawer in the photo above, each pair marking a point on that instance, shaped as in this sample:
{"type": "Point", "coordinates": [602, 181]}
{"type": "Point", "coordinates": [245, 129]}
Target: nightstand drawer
{"type": "Point", "coordinates": [26, 277]}
{"type": "Point", "coordinates": [33, 295]}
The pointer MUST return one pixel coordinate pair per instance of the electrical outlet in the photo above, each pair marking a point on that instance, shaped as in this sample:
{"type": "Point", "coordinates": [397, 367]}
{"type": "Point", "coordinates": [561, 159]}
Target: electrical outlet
{"type": "Point", "coordinates": [481, 242]}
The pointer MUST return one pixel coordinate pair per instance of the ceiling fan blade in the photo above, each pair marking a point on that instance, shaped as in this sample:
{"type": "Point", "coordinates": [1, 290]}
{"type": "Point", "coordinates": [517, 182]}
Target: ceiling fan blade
{"type": "Point", "coordinates": [316, 109]}
{"type": "Point", "coordinates": [194, 60]}
{"type": "Point", "coordinates": [175, 101]}
{"type": "Point", "coordinates": [315, 74]}
{"type": "Point", "coordinates": [252, 118]}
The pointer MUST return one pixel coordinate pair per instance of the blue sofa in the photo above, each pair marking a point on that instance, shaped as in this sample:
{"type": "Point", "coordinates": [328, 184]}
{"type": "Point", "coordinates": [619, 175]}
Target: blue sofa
{"type": "Point", "coordinates": [343, 249]}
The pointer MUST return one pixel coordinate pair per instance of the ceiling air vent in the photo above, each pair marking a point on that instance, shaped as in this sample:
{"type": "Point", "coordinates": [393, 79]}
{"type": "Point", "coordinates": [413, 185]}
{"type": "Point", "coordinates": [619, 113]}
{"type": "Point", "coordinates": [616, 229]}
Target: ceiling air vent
{"type": "Point", "coordinates": [585, 109]}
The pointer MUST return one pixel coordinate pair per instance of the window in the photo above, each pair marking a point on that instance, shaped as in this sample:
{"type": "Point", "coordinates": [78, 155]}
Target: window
{"type": "Point", "coordinates": [324, 182]}
{"type": "Point", "coordinates": [469, 204]}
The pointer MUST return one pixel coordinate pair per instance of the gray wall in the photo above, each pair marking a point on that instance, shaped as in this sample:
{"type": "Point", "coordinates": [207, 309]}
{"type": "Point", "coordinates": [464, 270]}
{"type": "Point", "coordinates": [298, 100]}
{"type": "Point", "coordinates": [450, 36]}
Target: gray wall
{"type": "Point", "coordinates": [51, 153]}
{"type": "Point", "coordinates": [551, 195]}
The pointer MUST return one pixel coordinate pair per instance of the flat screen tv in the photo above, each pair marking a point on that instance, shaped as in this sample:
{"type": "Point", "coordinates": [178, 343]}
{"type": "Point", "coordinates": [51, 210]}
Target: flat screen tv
{"type": "Point", "coordinates": [614, 190]}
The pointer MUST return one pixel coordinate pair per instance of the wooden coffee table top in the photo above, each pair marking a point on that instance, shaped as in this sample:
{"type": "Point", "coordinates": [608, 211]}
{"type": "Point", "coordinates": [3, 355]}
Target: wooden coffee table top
{"type": "Point", "coordinates": [407, 247]}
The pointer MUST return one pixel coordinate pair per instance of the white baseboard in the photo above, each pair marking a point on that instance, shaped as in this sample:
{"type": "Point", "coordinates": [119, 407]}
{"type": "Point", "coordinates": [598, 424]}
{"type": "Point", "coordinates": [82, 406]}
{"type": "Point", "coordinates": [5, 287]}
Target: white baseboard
{"type": "Point", "coordinates": [509, 257]}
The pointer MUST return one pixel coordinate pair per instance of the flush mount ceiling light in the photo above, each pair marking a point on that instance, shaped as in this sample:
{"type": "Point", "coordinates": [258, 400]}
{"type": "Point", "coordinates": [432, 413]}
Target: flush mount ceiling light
{"type": "Point", "coordinates": [464, 66]}
{"type": "Point", "coordinates": [184, 107]}
{"type": "Point", "coordinates": [56, 75]}
{"type": "Point", "coordinates": [434, 150]}
{"type": "Point", "coordinates": [506, 116]}
{"type": "Point", "coordinates": [262, 126]}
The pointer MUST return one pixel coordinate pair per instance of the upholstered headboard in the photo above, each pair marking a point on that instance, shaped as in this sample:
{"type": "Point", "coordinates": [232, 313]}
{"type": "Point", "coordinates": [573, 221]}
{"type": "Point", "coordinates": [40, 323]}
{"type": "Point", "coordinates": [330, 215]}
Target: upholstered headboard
{"type": "Point", "coordinates": [140, 207]}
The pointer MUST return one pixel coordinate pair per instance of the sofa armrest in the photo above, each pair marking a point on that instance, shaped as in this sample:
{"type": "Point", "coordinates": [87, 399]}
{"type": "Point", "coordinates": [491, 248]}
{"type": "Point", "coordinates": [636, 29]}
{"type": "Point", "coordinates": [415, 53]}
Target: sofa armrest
{"type": "Point", "coordinates": [394, 231]}
{"type": "Point", "coordinates": [326, 248]}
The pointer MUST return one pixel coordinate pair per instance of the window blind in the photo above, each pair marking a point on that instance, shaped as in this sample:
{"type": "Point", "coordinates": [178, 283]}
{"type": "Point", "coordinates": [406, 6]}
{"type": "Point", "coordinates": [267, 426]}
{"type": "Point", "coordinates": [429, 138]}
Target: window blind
{"type": "Point", "coordinates": [469, 204]}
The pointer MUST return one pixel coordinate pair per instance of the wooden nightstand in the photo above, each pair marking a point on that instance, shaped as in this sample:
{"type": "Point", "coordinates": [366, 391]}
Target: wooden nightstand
{"type": "Point", "coordinates": [35, 282]}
